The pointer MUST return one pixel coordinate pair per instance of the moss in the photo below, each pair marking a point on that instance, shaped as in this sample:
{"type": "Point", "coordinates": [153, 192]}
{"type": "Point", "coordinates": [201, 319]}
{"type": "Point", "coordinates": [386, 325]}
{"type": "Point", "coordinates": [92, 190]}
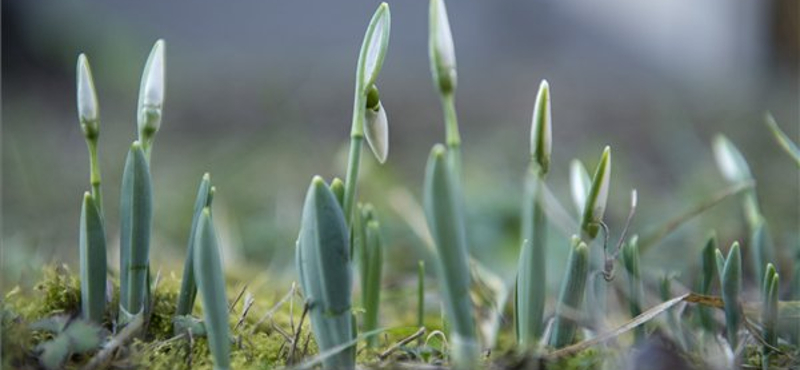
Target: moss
{"type": "Point", "coordinates": [588, 359]}
{"type": "Point", "coordinates": [785, 359]}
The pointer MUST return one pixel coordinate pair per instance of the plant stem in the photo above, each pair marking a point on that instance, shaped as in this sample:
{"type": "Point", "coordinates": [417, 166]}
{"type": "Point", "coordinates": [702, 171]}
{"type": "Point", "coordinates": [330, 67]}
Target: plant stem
{"type": "Point", "coordinates": [94, 176]}
{"type": "Point", "coordinates": [452, 135]}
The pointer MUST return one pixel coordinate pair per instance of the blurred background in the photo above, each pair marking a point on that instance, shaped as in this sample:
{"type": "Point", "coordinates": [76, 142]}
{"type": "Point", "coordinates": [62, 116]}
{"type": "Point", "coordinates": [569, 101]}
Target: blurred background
{"type": "Point", "coordinates": [260, 95]}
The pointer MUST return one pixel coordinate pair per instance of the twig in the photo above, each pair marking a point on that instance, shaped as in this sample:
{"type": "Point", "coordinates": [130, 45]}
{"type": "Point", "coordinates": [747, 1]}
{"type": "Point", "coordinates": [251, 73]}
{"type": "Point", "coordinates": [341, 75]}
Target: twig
{"type": "Point", "coordinates": [152, 299]}
{"type": "Point", "coordinates": [290, 359]}
{"type": "Point", "coordinates": [275, 308]}
{"type": "Point", "coordinates": [418, 334]}
{"type": "Point", "coordinates": [238, 297]}
{"type": "Point", "coordinates": [104, 355]}
{"type": "Point", "coordinates": [248, 303]}
{"type": "Point", "coordinates": [676, 222]}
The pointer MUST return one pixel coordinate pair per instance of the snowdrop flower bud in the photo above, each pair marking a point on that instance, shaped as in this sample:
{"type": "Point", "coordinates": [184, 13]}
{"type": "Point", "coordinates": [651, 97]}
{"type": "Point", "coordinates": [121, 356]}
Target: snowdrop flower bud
{"type": "Point", "coordinates": [730, 161]}
{"type": "Point", "coordinates": [151, 92]}
{"type": "Point", "coordinates": [88, 112]}
{"type": "Point", "coordinates": [542, 128]}
{"type": "Point", "coordinates": [376, 127]}
{"type": "Point", "coordinates": [441, 49]}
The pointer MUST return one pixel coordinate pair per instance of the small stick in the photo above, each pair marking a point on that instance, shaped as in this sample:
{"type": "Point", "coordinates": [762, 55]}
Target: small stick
{"type": "Point", "coordinates": [102, 357]}
{"type": "Point", "coordinates": [290, 359]}
{"type": "Point", "coordinates": [305, 345]}
{"type": "Point", "coordinates": [274, 308]}
{"type": "Point", "coordinates": [419, 333]}
{"type": "Point", "coordinates": [248, 303]}
{"type": "Point", "coordinates": [238, 297]}
{"type": "Point", "coordinates": [282, 332]}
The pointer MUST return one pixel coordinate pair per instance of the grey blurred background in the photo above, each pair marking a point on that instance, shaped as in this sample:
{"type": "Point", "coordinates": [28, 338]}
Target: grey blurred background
{"type": "Point", "coordinates": [259, 94]}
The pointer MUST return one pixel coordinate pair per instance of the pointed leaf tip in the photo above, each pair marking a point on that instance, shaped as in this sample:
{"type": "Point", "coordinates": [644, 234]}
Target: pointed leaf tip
{"type": "Point", "coordinates": [542, 127]}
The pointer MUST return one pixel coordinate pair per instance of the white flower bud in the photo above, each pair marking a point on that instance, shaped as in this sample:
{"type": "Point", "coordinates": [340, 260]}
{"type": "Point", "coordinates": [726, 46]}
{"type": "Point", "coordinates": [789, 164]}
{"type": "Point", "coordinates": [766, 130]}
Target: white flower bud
{"type": "Point", "coordinates": [151, 91]}
{"type": "Point", "coordinates": [542, 128]}
{"type": "Point", "coordinates": [442, 52]}
{"type": "Point", "coordinates": [376, 129]}
{"type": "Point", "coordinates": [580, 183]}
{"type": "Point", "coordinates": [730, 161]}
{"type": "Point", "coordinates": [87, 97]}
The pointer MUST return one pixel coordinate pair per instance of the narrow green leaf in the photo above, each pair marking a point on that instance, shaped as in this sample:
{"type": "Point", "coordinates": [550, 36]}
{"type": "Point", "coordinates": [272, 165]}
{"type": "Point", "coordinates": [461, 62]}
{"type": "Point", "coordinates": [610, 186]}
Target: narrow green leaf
{"type": "Point", "coordinates": [783, 140]}
{"type": "Point", "coordinates": [761, 248]}
{"type": "Point", "coordinates": [769, 315]}
{"type": "Point", "coordinates": [731, 289]}
{"type": "Point", "coordinates": [211, 284]}
{"type": "Point", "coordinates": [337, 187]}
{"type": "Point", "coordinates": [420, 293]}
{"type": "Point", "coordinates": [531, 287]}
{"type": "Point", "coordinates": [92, 245]}
{"type": "Point", "coordinates": [446, 224]}
{"type": "Point", "coordinates": [709, 274]}
{"type": "Point", "coordinates": [323, 261]}
{"type": "Point", "coordinates": [573, 290]}
{"type": "Point", "coordinates": [371, 282]}
{"type": "Point", "coordinates": [719, 259]}
{"type": "Point", "coordinates": [630, 259]}
{"type": "Point", "coordinates": [188, 291]}
{"type": "Point", "coordinates": [136, 212]}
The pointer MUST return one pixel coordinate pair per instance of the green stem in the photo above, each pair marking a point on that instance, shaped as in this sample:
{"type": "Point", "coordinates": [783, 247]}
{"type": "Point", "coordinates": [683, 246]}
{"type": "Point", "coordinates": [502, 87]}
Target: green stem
{"type": "Point", "coordinates": [94, 176]}
{"type": "Point", "coordinates": [421, 294]}
{"type": "Point", "coordinates": [452, 135]}
{"type": "Point", "coordinates": [354, 158]}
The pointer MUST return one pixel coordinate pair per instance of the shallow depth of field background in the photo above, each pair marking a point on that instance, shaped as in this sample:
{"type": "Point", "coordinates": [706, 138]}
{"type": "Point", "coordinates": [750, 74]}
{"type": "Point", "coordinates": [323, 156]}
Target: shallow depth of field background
{"type": "Point", "coordinates": [260, 95]}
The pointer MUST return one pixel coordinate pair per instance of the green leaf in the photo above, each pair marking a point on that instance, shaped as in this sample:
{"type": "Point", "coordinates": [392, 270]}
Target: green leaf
{"type": "Point", "coordinates": [446, 224]}
{"type": "Point", "coordinates": [188, 290]}
{"type": "Point", "coordinates": [731, 289]}
{"type": "Point", "coordinates": [531, 287]}
{"type": "Point", "coordinates": [136, 213]}
{"type": "Point", "coordinates": [211, 284]}
{"type": "Point", "coordinates": [92, 250]}
{"type": "Point", "coordinates": [783, 140]}
{"type": "Point", "coordinates": [337, 187]}
{"type": "Point", "coordinates": [630, 259]}
{"type": "Point", "coordinates": [709, 274]}
{"type": "Point", "coordinates": [53, 324]}
{"type": "Point", "coordinates": [570, 300]}
{"type": "Point", "coordinates": [323, 260]}
{"type": "Point", "coordinates": [371, 281]}
{"type": "Point", "coordinates": [769, 315]}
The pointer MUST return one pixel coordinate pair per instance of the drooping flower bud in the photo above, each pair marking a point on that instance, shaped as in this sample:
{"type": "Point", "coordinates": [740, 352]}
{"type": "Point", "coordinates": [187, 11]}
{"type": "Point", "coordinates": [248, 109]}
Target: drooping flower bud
{"type": "Point", "coordinates": [376, 126]}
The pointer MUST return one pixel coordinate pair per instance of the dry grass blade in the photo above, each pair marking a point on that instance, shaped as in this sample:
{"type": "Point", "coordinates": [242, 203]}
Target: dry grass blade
{"type": "Point", "coordinates": [636, 321]}
{"type": "Point", "coordinates": [673, 224]}
{"type": "Point", "coordinates": [102, 357]}
{"type": "Point", "coordinates": [383, 355]}
{"type": "Point", "coordinates": [290, 359]}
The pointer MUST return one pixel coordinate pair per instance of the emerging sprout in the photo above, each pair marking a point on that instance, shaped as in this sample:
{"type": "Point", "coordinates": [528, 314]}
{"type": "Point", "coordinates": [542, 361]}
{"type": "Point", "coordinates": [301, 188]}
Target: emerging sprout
{"type": "Point", "coordinates": [542, 128]}
{"type": "Point", "coordinates": [151, 94]}
{"type": "Point", "coordinates": [88, 111]}
{"type": "Point", "coordinates": [441, 49]}
{"type": "Point", "coordinates": [731, 289]}
{"type": "Point", "coordinates": [595, 205]}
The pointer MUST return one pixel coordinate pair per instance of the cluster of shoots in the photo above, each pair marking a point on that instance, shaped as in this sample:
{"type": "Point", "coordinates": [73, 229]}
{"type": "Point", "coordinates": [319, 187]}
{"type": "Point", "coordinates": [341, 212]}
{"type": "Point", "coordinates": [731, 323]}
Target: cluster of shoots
{"type": "Point", "coordinates": [202, 270]}
{"type": "Point", "coordinates": [337, 231]}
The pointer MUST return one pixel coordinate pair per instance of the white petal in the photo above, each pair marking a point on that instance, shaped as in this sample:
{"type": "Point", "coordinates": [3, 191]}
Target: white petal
{"type": "Point", "coordinates": [580, 184]}
{"type": "Point", "coordinates": [729, 160]}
